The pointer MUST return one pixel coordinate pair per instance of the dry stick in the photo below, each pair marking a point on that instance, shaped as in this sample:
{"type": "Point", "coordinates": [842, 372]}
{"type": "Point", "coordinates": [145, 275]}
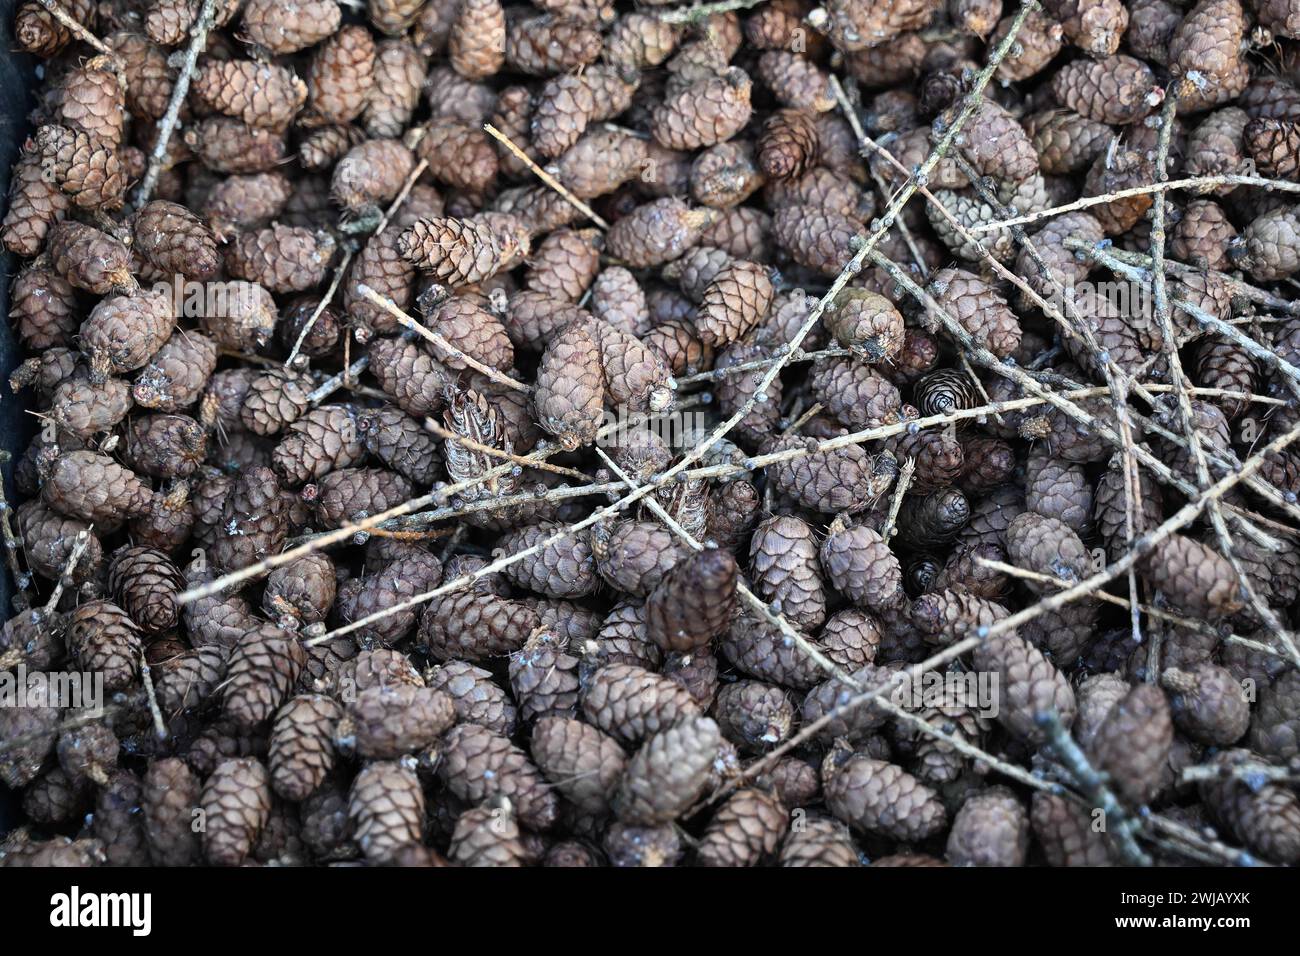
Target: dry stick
{"type": "Point", "coordinates": [1071, 756]}
{"type": "Point", "coordinates": [1238, 287]}
{"type": "Point", "coordinates": [85, 36]}
{"type": "Point", "coordinates": [1199, 627]}
{"type": "Point", "coordinates": [389, 306]}
{"type": "Point", "coordinates": [341, 380]}
{"type": "Point", "coordinates": [22, 580]}
{"type": "Point", "coordinates": [146, 677]}
{"type": "Point", "coordinates": [896, 503]}
{"type": "Point", "coordinates": [69, 567]}
{"type": "Point", "coordinates": [1246, 772]}
{"type": "Point", "coordinates": [1196, 182]}
{"type": "Point", "coordinates": [339, 272]}
{"type": "Point", "coordinates": [198, 41]}
{"type": "Point", "coordinates": [501, 454]}
{"type": "Point", "coordinates": [544, 176]}
{"type": "Point", "coordinates": [705, 10]}
{"type": "Point", "coordinates": [755, 364]}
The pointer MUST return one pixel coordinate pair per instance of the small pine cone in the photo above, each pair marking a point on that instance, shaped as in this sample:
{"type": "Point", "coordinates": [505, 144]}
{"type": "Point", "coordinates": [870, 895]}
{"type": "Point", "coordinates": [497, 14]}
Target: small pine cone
{"type": "Point", "coordinates": [281, 258]}
{"type": "Point", "coordinates": [565, 264]}
{"type": "Point", "coordinates": [1066, 142]}
{"type": "Point", "coordinates": [569, 397]}
{"type": "Point", "coordinates": [145, 583]}
{"type": "Point", "coordinates": [89, 259]}
{"type": "Point", "coordinates": [1275, 728]}
{"type": "Point", "coordinates": [94, 488]}
{"type": "Point", "coordinates": [854, 393]}
{"type": "Point", "coordinates": [1133, 742]}
{"type": "Point", "coordinates": [174, 241]}
{"type": "Point", "coordinates": [1094, 26]}
{"type": "Point", "coordinates": [302, 591]}
{"type": "Point", "coordinates": [187, 681]}
{"type": "Point", "coordinates": [477, 42]}
{"type": "Point", "coordinates": [124, 331]}
{"type": "Point", "coordinates": [602, 161]}
{"type": "Point", "coordinates": [371, 173]}
{"type": "Point", "coordinates": [44, 309]}
{"type": "Point", "coordinates": [668, 773]}
{"type": "Point", "coordinates": [35, 204]}
{"type": "Point", "coordinates": [564, 107]}
{"type": "Point", "coordinates": [1047, 546]}
{"type": "Point", "coordinates": [275, 400]}
{"type": "Point", "coordinates": [487, 836]}
{"type": "Point", "coordinates": [681, 349]}
{"type": "Point", "coordinates": [742, 231]}
{"type": "Point", "coordinates": [866, 323]}
{"type": "Point", "coordinates": [236, 804]}
{"type": "Point", "coordinates": [761, 651]}
{"type": "Point", "coordinates": [996, 144]}
{"type": "Point", "coordinates": [320, 332]}
{"type": "Point", "coordinates": [239, 203]}
{"type": "Point", "coordinates": [754, 716]}
{"type": "Point", "coordinates": [1194, 578]}
{"type": "Point", "coordinates": [400, 443]}
{"type": "Point", "coordinates": [1273, 145]}
{"type": "Point", "coordinates": [474, 331]}
{"type": "Point", "coordinates": [695, 270]}
{"type": "Point", "coordinates": [322, 440]}
{"type": "Point", "coordinates": [796, 81]}
{"type": "Point", "coordinates": [1270, 246]}
{"type": "Point", "coordinates": [816, 240]}
{"type": "Point", "coordinates": [640, 40]}
{"type": "Point", "coordinates": [1066, 833]}
{"type": "Point", "coordinates": [253, 521]}
{"type": "Point", "coordinates": [459, 155]}
{"type": "Point", "coordinates": [48, 538]}
{"type": "Point", "coordinates": [91, 98]}
{"type": "Point", "coordinates": [88, 754]}
{"type": "Point", "coordinates": [340, 78]}
{"type": "Point", "coordinates": [1266, 818]}
{"type": "Point", "coordinates": [464, 251]}
{"type": "Point", "coordinates": [87, 170]}
{"type": "Point", "coordinates": [351, 494]}
{"type": "Point", "coordinates": [1115, 89]}
{"type": "Point", "coordinates": [631, 703]}
{"type": "Point", "coordinates": [85, 409]}
{"type": "Point", "coordinates": [544, 45]}
{"type": "Point", "coordinates": [834, 480]}
{"type": "Point", "coordinates": [635, 556]}
{"type": "Point", "coordinates": [321, 148]}
{"type": "Point", "coordinates": [170, 792]}
{"type": "Point", "coordinates": [931, 522]}
{"type": "Point", "coordinates": [398, 78]}
{"type": "Point", "coordinates": [564, 568]}
{"type": "Point", "coordinates": [825, 189]}
{"type": "Point", "coordinates": [583, 763]}
{"type": "Point", "coordinates": [735, 301]}
{"type": "Point", "coordinates": [544, 676]}
{"type": "Point", "coordinates": [1222, 363]}
{"type": "Point", "coordinates": [705, 113]}
{"type": "Point", "coordinates": [852, 26]}
{"type": "Point", "coordinates": [1209, 41]}
{"type": "Point", "coordinates": [165, 446]}
{"type": "Point", "coordinates": [788, 145]}
{"type": "Point", "coordinates": [386, 806]}
{"type": "Point", "coordinates": [1208, 703]}
{"type": "Point", "coordinates": [1203, 236]}
{"type": "Point", "coordinates": [731, 510]}
{"type": "Point", "coordinates": [783, 555]}
{"type": "Point", "coordinates": [475, 698]}
{"type": "Point", "coordinates": [38, 31]}
{"type": "Point", "coordinates": [819, 841]}
{"type": "Point", "coordinates": [477, 764]}
{"type": "Point", "coordinates": [876, 797]}
{"type": "Point", "coordinates": [474, 627]}
{"type": "Point", "coordinates": [248, 323]}
{"type": "Point", "coordinates": [384, 722]}
{"type": "Point", "coordinates": [302, 745]}
{"type": "Point", "coordinates": [1112, 172]}
{"type": "Point", "coordinates": [268, 24]}
{"type": "Point", "coordinates": [944, 392]}
{"type": "Point", "coordinates": [1031, 685]}
{"type": "Point", "coordinates": [226, 145]}
{"type": "Point", "coordinates": [1059, 490]}
{"type": "Point", "coordinates": [693, 603]}
{"type": "Point", "coordinates": [725, 175]}
{"type": "Point", "coordinates": [381, 266]}
{"type": "Point", "coordinates": [656, 232]}
{"type": "Point", "coordinates": [990, 829]}
{"type": "Point", "coordinates": [979, 309]}
{"type": "Point", "coordinates": [533, 319]}
{"type": "Point", "coordinates": [938, 457]}
{"type": "Point", "coordinates": [949, 614]}
{"type": "Point", "coordinates": [1036, 45]}
{"type": "Point", "coordinates": [745, 831]}
{"type": "Point", "coordinates": [259, 94]}
{"type": "Point", "coordinates": [860, 564]}
{"type": "Point", "coordinates": [264, 666]}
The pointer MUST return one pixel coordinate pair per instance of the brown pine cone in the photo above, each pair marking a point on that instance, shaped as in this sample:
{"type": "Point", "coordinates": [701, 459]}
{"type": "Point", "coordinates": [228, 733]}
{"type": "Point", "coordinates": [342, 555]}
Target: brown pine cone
{"type": "Point", "coordinates": [569, 397]}
{"type": "Point", "coordinates": [341, 76]}
{"type": "Point", "coordinates": [1031, 685]}
{"type": "Point", "coordinates": [1275, 727]}
{"type": "Point", "coordinates": [1265, 818]}
{"type": "Point", "coordinates": [819, 841]}
{"type": "Point", "coordinates": [381, 266]}
{"type": "Point", "coordinates": [48, 538]}
{"type": "Point", "coordinates": [259, 94]}
{"type": "Point", "coordinates": [725, 175]}
{"type": "Point", "coordinates": [351, 494]}
{"type": "Point", "coordinates": [563, 569]}
{"type": "Point", "coordinates": [1208, 703]}
{"type": "Point", "coordinates": [84, 409]}
{"type": "Point", "coordinates": [635, 556]}
{"type": "Point", "coordinates": [1194, 577]}
{"type": "Point", "coordinates": [631, 703]}
{"type": "Point", "coordinates": [783, 555]}
{"type": "Point", "coordinates": [322, 440]}
{"type": "Point", "coordinates": [460, 155]}
{"type": "Point", "coordinates": [35, 204]}
{"type": "Point", "coordinates": [735, 301]}
{"type": "Point", "coordinates": [187, 681]}
{"type": "Point", "coordinates": [639, 40]}
{"type": "Point", "coordinates": [44, 309]}
{"type": "Point", "coordinates": [761, 651]}
{"type": "Point", "coordinates": [754, 716]}
{"type": "Point", "coordinates": [547, 44]}
{"type": "Point", "coordinates": [475, 698]}
{"type": "Point", "coordinates": [544, 676]}
{"type": "Point", "coordinates": [281, 31]}
{"type": "Point", "coordinates": [656, 232]}
{"type": "Point", "coordinates": [145, 583]}
{"type": "Point", "coordinates": [1114, 89]}
{"type": "Point", "coordinates": [788, 145]}
{"type": "Point", "coordinates": [1066, 833]}
{"type": "Point", "coordinates": [488, 836]}
{"type": "Point", "coordinates": [866, 323]}
{"type": "Point", "coordinates": [385, 722]}
{"type": "Point", "coordinates": [876, 797]}
{"type": "Point", "coordinates": [990, 829]}
{"type": "Point", "coordinates": [477, 42]}
{"type": "Point", "coordinates": [264, 666]}
{"type": "Point", "coordinates": [855, 393]}
{"type": "Point", "coordinates": [477, 764]}
{"type": "Point", "coordinates": [226, 145]}
{"type": "Point", "coordinates": [124, 331]}
{"type": "Point", "coordinates": [87, 170]}
{"type": "Point", "coordinates": [174, 241]}
{"type": "Point", "coordinates": [472, 626]}
{"type": "Point", "coordinates": [705, 113]}
{"type": "Point", "coordinates": [565, 264]}
{"type": "Point", "coordinates": [1066, 142]}
{"type": "Point", "coordinates": [170, 793]}
{"type": "Point", "coordinates": [94, 488]}
{"type": "Point", "coordinates": [815, 239]}
{"type": "Point", "coordinates": [979, 309]}
{"type": "Point", "coordinates": [398, 78]}
{"type": "Point", "coordinates": [668, 773]}
{"type": "Point", "coordinates": [850, 26]}
{"type": "Point", "coordinates": [583, 763]}
{"type": "Point", "coordinates": [472, 329]}
{"type": "Point", "coordinates": [1273, 144]}
{"type": "Point", "coordinates": [177, 373]}
{"type": "Point", "coordinates": [39, 32]}
{"type": "Point", "coordinates": [1047, 546]}
{"type": "Point", "coordinates": [236, 804]}
{"type": "Point", "coordinates": [89, 259]}
{"type": "Point", "coordinates": [860, 564]}
{"type": "Point", "coordinates": [996, 144]}
{"type": "Point", "coordinates": [831, 481]}
{"type": "Point", "coordinates": [301, 592]}
{"type": "Point", "coordinates": [693, 603]}
{"type": "Point", "coordinates": [253, 521]}
{"type": "Point", "coordinates": [1133, 742]}
{"type": "Point", "coordinates": [564, 107]}
{"type": "Point", "coordinates": [463, 251]}
{"type": "Point", "coordinates": [281, 258]}
{"type": "Point", "coordinates": [88, 754]}
{"type": "Point", "coordinates": [371, 173]}
{"type": "Point", "coordinates": [302, 745]}
{"type": "Point", "coordinates": [90, 98]}
{"type": "Point", "coordinates": [386, 807]}
{"type": "Point", "coordinates": [602, 161]}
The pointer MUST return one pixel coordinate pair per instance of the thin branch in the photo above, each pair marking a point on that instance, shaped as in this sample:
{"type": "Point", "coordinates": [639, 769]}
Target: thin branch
{"type": "Point", "coordinates": [198, 42]}
{"type": "Point", "coordinates": [57, 11]}
{"type": "Point", "coordinates": [544, 176]}
{"type": "Point", "coordinates": [904, 481]}
{"type": "Point", "coordinates": [502, 455]}
{"type": "Point", "coordinates": [703, 11]}
{"type": "Point", "coordinates": [69, 569]}
{"type": "Point", "coordinates": [21, 579]}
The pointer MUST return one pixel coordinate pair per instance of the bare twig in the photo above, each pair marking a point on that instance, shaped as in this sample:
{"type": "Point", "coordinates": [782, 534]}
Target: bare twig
{"type": "Point", "coordinates": [146, 677]}
{"type": "Point", "coordinates": [703, 11]}
{"type": "Point", "coordinates": [57, 11]}
{"type": "Point", "coordinates": [896, 502]}
{"type": "Point", "coordinates": [503, 455]}
{"type": "Point", "coordinates": [69, 569]}
{"type": "Point", "coordinates": [181, 86]}
{"type": "Point", "coordinates": [544, 176]}
{"type": "Point", "coordinates": [22, 580]}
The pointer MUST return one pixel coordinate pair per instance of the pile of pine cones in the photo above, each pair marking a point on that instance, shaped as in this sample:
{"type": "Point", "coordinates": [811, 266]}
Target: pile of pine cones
{"type": "Point", "coordinates": [339, 329]}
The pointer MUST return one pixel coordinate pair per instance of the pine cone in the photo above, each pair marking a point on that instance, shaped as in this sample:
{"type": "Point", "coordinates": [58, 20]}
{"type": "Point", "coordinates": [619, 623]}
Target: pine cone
{"type": "Point", "coordinates": [302, 745]}
{"type": "Point", "coordinates": [386, 806]}
{"type": "Point", "coordinates": [264, 666]}
{"type": "Point", "coordinates": [236, 804]}
{"type": "Point", "coordinates": [873, 796]}
{"type": "Point", "coordinates": [668, 773]}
